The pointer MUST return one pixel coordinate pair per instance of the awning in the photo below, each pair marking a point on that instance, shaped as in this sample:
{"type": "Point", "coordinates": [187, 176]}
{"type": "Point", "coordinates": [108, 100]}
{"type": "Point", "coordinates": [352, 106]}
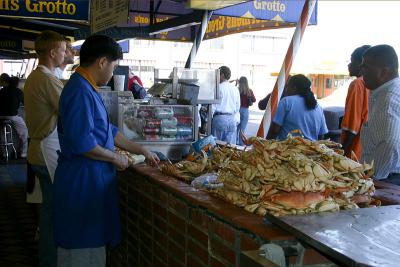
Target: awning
{"type": "Point", "coordinates": [171, 20]}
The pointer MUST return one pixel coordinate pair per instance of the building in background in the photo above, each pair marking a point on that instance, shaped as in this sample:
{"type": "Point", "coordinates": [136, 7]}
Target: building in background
{"type": "Point", "coordinates": [256, 55]}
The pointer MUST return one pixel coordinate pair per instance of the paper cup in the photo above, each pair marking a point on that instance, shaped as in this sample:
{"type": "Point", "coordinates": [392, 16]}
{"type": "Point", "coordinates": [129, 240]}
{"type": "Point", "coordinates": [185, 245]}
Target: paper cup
{"type": "Point", "coordinates": [119, 82]}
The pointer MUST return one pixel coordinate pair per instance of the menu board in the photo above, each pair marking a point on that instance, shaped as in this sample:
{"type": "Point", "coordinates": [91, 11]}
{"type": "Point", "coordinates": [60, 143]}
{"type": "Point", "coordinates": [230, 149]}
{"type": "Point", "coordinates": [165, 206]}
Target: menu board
{"type": "Point", "coordinates": [107, 14]}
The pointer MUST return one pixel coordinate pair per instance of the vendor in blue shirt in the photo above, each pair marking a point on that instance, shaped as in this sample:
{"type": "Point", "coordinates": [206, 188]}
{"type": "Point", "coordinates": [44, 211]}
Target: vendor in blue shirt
{"type": "Point", "coordinates": [299, 110]}
{"type": "Point", "coordinates": [86, 212]}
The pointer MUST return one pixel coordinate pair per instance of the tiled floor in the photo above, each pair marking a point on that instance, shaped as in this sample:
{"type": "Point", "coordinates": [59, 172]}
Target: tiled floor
{"type": "Point", "coordinates": [17, 218]}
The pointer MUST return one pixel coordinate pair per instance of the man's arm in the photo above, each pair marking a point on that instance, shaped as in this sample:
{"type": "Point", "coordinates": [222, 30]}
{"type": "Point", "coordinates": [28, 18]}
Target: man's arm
{"type": "Point", "coordinates": [102, 154]}
{"type": "Point", "coordinates": [352, 120]}
{"type": "Point", "coordinates": [348, 138]}
{"type": "Point", "coordinates": [124, 143]}
{"type": "Point", "coordinates": [385, 159]}
{"type": "Point", "coordinates": [273, 131]}
{"type": "Point", "coordinates": [262, 104]}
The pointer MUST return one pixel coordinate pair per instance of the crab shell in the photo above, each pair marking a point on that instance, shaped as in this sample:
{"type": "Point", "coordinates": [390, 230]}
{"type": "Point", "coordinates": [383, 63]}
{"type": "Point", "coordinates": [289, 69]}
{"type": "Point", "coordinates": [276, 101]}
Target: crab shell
{"type": "Point", "coordinates": [298, 200]}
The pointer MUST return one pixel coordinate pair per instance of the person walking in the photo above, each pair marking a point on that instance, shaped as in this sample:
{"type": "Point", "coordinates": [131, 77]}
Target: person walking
{"type": "Point", "coordinates": [247, 99]}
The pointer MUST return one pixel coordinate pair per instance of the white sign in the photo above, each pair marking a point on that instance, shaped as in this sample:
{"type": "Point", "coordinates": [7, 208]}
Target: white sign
{"type": "Point", "coordinates": [107, 14]}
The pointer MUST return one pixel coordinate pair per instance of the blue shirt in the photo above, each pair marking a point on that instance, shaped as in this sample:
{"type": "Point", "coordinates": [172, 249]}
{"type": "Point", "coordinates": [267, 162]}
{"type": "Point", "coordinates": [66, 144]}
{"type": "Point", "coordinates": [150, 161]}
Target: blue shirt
{"type": "Point", "coordinates": [292, 114]}
{"type": "Point", "coordinates": [86, 211]}
{"type": "Point", "coordinates": [380, 135]}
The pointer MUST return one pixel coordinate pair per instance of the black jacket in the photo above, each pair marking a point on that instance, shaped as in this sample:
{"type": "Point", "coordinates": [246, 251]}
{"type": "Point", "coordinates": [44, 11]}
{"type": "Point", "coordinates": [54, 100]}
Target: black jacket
{"type": "Point", "coordinates": [10, 100]}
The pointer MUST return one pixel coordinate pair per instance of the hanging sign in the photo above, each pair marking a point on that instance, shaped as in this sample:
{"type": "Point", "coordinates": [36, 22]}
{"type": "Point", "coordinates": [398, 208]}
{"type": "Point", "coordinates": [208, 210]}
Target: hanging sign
{"type": "Point", "coordinates": [10, 44]}
{"type": "Point", "coordinates": [108, 13]}
{"type": "Point", "coordinates": [75, 10]}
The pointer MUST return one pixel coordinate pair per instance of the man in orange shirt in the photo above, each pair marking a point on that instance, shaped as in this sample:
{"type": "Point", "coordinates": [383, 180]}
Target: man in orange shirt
{"type": "Point", "coordinates": [356, 109]}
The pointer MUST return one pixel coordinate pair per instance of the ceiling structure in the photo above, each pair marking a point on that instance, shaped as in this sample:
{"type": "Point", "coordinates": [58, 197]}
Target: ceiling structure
{"type": "Point", "coordinates": [176, 20]}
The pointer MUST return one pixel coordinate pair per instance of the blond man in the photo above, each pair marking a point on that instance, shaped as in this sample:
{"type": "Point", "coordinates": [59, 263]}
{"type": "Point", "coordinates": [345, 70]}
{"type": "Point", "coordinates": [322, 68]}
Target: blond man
{"type": "Point", "coordinates": [42, 92]}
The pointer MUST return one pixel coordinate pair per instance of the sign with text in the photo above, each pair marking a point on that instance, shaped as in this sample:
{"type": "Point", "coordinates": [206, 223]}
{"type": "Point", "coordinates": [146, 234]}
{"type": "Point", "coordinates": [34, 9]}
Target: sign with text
{"type": "Point", "coordinates": [108, 13]}
{"type": "Point", "coordinates": [249, 16]}
{"type": "Point", "coordinates": [10, 44]}
{"type": "Point", "coordinates": [76, 10]}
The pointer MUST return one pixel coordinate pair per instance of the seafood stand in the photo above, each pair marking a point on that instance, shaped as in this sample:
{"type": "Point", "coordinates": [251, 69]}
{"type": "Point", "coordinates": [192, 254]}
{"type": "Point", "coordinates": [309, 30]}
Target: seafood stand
{"type": "Point", "coordinates": [168, 222]}
{"type": "Point", "coordinates": [168, 121]}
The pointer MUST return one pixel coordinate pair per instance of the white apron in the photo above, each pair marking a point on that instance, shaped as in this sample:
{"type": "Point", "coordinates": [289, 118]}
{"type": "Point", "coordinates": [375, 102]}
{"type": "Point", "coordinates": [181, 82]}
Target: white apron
{"type": "Point", "coordinates": [49, 147]}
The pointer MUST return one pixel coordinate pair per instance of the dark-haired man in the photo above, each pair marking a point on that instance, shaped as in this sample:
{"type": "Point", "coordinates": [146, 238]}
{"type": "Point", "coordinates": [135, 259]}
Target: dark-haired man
{"type": "Point", "coordinates": [380, 136]}
{"type": "Point", "coordinates": [224, 120]}
{"type": "Point", "coordinates": [86, 213]}
{"type": "Point", "coordinates": [356, 109]}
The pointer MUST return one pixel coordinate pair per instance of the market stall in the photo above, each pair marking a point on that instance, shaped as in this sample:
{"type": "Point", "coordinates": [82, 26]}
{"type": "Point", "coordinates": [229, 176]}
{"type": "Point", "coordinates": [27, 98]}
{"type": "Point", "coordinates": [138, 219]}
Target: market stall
{"type": "Point", "coordinates": [167, 222]}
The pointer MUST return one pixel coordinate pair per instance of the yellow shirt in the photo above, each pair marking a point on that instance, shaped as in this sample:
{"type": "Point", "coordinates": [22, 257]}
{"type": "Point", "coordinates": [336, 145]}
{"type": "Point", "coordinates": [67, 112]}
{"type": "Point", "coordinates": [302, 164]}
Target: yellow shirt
{"type": "Point", "coordinates": [42, 92]}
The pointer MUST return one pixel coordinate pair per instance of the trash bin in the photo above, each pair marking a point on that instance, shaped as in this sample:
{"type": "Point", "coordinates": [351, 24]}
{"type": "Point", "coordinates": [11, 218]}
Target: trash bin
{"type": "Point", "coordinates": [333, 119]}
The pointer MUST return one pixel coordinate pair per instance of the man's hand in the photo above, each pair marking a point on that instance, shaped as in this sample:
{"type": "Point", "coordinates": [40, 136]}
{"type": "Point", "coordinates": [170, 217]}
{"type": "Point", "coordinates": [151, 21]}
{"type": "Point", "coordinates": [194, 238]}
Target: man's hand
{"type": "Point", "coordinates": [151, 158]}
{"type": "Point", "coordinates": [120, 162]}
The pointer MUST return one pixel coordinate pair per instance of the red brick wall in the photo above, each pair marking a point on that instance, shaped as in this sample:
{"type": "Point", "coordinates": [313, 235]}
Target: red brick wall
{"type": "Point", "coordinates": [167, 223]}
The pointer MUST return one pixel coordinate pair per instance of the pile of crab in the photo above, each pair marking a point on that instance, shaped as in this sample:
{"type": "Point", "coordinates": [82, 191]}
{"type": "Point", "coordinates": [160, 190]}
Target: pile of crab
{"type": "Point", "coordinates": [294, 176]}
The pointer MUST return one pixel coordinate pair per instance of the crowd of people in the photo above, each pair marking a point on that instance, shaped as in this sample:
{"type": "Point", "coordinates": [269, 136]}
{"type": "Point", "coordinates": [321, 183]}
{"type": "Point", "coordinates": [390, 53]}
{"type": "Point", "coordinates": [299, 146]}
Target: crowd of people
{"type": "Point", "coordinates": [231, 115]}
{"type": "Point", "coordinates": [370, 125]}
{"type": "Point", "coordinates": [72, 142]}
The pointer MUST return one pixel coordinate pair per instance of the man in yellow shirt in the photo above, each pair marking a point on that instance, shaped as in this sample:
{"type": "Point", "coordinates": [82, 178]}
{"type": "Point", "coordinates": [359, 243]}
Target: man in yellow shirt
{"type": "Point", "coordinates": [42, 93]}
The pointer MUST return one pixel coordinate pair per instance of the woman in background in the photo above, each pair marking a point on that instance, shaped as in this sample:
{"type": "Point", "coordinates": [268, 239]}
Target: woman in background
{"type": "Point", "coordinates": [247, 99]}
{"type": "Point", "coordinates": [298, 110]}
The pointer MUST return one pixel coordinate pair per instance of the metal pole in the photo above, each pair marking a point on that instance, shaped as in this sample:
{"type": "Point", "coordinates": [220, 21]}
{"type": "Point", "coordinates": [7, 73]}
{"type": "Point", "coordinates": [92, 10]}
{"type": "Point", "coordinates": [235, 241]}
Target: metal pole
{"type": "Point", "coordinates": [199, 37]}
{"type": "Point", "coordinates": [151, 12]}
{"type": "Point", "coordinates": [286, 66]}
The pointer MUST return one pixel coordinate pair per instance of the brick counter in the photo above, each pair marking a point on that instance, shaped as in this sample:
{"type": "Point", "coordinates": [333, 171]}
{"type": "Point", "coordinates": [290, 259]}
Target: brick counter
{"type": "Point", "coordinates": [166, 222]}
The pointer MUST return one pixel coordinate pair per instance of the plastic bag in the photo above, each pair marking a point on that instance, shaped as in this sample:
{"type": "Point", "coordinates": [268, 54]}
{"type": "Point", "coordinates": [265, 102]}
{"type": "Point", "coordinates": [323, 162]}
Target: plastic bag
{"type": "Point", "coordinates": [208, 140]}
{"type": "Point", "coordinates": [207, 181]}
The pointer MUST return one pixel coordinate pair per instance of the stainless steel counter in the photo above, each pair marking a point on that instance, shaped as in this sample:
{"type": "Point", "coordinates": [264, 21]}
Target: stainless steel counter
{"type": "Point", "coordinates": [362, 237]}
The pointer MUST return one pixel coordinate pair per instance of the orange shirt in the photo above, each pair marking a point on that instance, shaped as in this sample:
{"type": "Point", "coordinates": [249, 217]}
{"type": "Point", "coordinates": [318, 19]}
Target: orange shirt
{"type": "Point", "coordinates": [355, 113]}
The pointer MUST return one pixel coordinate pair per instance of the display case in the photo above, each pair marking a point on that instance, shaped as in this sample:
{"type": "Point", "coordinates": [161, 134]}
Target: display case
{"type": "Point", "coordinates": [169, 129]}
{"type": "Point", "coordinates": [112, 99]}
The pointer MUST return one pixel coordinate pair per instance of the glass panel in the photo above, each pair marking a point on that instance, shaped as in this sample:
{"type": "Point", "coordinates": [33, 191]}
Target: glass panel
{"type": "Point", "coordinates": [158, 123]}
{"type": "Point", "coordinates": [205, 79]}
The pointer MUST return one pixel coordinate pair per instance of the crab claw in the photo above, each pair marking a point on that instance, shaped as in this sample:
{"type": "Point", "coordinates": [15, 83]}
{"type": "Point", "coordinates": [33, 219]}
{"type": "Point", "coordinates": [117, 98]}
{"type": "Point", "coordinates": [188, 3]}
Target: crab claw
{"type": "Point", "coordinates": [244, 138]}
